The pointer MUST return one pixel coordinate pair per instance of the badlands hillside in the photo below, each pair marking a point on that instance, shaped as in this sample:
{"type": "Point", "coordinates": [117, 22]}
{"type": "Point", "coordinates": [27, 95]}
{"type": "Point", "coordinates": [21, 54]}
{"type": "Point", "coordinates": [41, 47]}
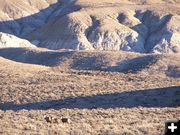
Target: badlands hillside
{"type": "Point", "coordinates": [129, 25]}
{"type": "Point", "coordinates": [89, 67]}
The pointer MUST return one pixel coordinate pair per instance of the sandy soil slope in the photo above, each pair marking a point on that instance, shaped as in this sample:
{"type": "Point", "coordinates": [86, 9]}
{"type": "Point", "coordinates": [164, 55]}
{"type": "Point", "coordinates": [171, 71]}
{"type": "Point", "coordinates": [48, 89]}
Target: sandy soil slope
{"type": "Point", "coordinates": [88, 88]}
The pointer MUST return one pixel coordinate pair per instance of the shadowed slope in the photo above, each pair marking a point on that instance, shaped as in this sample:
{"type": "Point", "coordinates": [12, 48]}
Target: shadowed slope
{"type": "Point", "coordinates": [135, 64]}
{"type": "Point", "coordinates": [25, 25]}
{"type": "Point", "coordinates": [80, 60]}
{"type": "Point", "coordinates": [91, 60]}
{"type": "Point", "coordinates": [160, 97]}
{"type": "Point", "coordinates": [24, 55]}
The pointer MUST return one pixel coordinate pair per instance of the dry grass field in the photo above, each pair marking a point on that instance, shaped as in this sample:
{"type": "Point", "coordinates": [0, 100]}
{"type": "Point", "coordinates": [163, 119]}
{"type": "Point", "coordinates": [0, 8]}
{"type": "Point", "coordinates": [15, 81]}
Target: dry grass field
{"type": "Point", "coordinates": [99, 93]}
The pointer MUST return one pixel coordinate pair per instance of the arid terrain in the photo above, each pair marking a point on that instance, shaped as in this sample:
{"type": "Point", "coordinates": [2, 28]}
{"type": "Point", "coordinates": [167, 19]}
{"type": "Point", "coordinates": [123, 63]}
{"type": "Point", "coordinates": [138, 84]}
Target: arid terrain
{"type": "Point", "coordinates": [107, 93]}
{"type": "Point", "coordinates": [81, 67]}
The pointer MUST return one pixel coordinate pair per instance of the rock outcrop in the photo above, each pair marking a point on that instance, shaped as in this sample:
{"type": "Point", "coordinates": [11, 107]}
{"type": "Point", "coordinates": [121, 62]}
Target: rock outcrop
{"type": "Point", "coordinates": [7, 40]}
{"type": "Point", "coordinates": [86, 25]}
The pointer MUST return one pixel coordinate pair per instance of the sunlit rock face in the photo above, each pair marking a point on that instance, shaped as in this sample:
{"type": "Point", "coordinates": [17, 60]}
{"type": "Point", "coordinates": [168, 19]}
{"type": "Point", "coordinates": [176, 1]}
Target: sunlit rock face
{"type": "Point", "coordinates": [7, 40]}
{"type": "Point", "coordinates": [86, 25]}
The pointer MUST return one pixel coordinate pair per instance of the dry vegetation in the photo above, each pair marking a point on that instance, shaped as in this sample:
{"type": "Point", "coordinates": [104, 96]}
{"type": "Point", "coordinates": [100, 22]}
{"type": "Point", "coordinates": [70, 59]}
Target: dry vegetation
{"type": "Point", "coordinates": [90, 89]}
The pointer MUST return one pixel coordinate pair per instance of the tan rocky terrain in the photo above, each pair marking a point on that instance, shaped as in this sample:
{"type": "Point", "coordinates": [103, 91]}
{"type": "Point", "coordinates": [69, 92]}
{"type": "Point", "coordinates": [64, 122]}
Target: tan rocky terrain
{"type": "Point", "coordinates": [81, 67]}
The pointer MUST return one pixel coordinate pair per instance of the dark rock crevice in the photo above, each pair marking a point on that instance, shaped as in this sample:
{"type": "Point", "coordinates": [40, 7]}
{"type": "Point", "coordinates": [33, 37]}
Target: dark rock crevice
{"type": "Point", "coordinates": [151, 24]}
{"type": "Point", "coordinates": [94, 25]}
{"type": "Point", "coordinates": [154, 24]}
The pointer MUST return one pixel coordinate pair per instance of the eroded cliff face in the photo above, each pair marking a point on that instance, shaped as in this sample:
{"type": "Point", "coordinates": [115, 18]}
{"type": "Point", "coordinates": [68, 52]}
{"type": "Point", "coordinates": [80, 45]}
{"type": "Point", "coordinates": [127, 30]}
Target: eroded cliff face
{"type": "Point", "coordinates": [86, 25]}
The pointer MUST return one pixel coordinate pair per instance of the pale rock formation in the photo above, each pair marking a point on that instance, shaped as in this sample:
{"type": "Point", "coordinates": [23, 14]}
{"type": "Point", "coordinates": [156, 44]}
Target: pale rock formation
{"type": "Point", "coordinates": [105, 36]}
{"type": "Point", "coordinates": [7, 40]}
{"type": "Point", "coordinates": [132, 25]}
{"type": "Point", "coordinates": [169, 37]}
{"type": "Point", "coordinates": [83, 32]}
